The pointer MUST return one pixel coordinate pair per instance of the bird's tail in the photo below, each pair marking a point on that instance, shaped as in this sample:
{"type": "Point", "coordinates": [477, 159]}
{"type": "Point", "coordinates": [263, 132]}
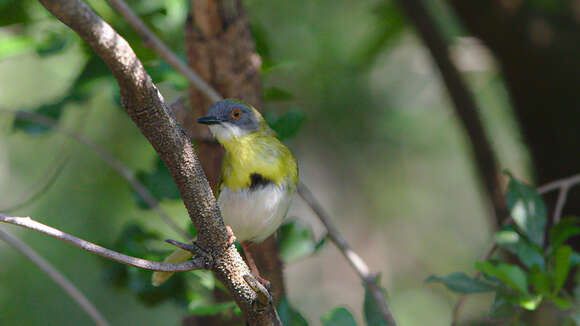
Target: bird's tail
{"type": "Point", "coordinates": [178, 256]}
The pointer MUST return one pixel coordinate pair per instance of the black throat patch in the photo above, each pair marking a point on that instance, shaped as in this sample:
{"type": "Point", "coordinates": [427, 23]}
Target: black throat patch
{"type": "Point", "coordinates": [258, 181]}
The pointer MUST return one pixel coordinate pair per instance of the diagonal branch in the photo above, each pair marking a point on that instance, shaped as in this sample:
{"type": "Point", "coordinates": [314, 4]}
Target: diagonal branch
{"type": "Point", "coordinates": [146, 107]}
{"type": "Point", "coordinates": [57, 277]}
{"type": "Point", "coordinates": [464, 104]}
{"type": "Point", "coordinates": [370, 280]}
{"type": "Point", "coordinates": [31, 224]}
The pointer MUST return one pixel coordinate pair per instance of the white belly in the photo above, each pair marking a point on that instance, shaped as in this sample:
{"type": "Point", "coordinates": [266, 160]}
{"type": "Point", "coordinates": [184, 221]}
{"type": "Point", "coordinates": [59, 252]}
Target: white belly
{"type": "Point", "coordinates": [254, 215]}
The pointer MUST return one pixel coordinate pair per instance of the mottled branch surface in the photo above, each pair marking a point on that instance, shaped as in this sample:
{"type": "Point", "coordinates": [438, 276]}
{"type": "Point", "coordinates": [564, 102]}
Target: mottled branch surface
{"type": "Point", "coordinates": [464, 104]}
{"type": "Point", "coordinates": [220, 48]}
{"type": "Point", "coordinates": [146, 107]}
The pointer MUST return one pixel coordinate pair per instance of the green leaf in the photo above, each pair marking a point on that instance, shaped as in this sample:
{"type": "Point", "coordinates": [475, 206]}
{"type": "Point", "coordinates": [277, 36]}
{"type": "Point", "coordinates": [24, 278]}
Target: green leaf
{"type": "Point", "coordinates": [339, 316]}
{"type": "Point", "coordinates": [540, 281]}
{"type": "Point", "coordinates": [277, 94]}
{"type": "Point", "coordinates": [461, 283]}
{"type": "Point", "coordinates": [296, 241]}
{"type": "Point", "coordinates": [561, 267]}
{"type": "Point", "coordinates": [512, 275]}
{"type": "Point", "coordinates": [53, 44]}
{"type": "Point", "coordinates": [530, 302]}
{"type": "Point", "coordinates": [372, 310]}
{"type": "Point", "coordinates": [212, 309]}
{"type": "Point", "coordinates": [561, 303]}
{"type": "Point", "coordinates": [13, 45]}
{"type": "Point", "coordinates": [564, 230]}
{"type": "Point", "coordinates": [159, 183]}
{"type": "Point", "coordinates": [288, 315]}
{"type": "Point", "coordinates": [288, 125]}
{"type": "Point", "coordinates": [53, 111]}
{"type": "Point", "coordinates": [527, 210]}
{"type": "Point", "coordinates": [501, 307]}
{"type": "Point", "coordinates": [529, 255]}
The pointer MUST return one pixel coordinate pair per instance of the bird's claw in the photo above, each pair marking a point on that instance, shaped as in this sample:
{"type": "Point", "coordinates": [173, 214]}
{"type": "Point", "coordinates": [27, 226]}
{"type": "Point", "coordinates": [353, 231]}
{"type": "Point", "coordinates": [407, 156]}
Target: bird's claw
{"type": "Point", "coordinates": [231, 236]}
{"type": "Point", "coordinates": [264, 296]}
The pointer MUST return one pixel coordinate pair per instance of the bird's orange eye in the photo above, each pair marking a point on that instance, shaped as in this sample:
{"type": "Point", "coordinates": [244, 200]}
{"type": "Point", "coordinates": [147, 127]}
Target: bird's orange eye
{"type": "Point", "coordinates": [236, 114]}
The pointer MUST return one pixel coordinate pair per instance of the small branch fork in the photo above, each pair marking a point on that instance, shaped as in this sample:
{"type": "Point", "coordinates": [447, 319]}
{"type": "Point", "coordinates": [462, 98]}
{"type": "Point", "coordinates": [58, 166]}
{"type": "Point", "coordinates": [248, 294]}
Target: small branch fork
{"type": "Point", "coordinates": [564, 186]}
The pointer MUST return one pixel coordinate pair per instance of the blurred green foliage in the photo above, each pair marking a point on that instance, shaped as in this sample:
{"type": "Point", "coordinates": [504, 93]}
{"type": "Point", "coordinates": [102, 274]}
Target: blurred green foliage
{"type": "Point", "coordinates": [543, 270]}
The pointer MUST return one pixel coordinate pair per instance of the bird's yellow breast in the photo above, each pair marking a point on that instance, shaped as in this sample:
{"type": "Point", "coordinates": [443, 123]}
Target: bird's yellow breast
{"type": "Point", "coordinates": [257, 154]}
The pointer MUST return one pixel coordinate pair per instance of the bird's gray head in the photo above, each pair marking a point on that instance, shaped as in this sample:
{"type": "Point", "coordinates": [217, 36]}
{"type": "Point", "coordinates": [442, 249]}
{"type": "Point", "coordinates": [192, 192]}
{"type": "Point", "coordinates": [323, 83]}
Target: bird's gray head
{"type": "Point", "coordinates": [232, 118]}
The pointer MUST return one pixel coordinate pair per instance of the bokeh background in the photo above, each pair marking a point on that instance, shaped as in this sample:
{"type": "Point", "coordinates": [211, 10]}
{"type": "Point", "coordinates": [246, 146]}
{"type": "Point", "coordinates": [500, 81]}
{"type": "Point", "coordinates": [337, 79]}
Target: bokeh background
{"type": "Point", "coordinates": [380, 147]}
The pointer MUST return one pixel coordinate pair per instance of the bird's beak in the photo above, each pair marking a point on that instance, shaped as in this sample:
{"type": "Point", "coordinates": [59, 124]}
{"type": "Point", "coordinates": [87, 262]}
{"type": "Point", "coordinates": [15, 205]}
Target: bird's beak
{"type": "Point", "coordinates": [208, 120]}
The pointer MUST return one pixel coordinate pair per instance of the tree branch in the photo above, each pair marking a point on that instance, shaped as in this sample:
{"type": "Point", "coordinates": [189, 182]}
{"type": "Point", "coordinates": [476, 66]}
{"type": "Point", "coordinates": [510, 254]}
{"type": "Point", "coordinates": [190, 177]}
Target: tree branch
{"type": "Point", "coordinates": [464, 104]}
{"type": "Point", "coordinates": [148, 110]}
{"type": "Point", "coordinates": [361, 268]}
{"type": "Point", "coordinates": [27, 222]}
{"type": "Point", "coordinates": [74, 293]}
{"type": "Point", "coordinates": [123, 170]}
{"type": "Point", "coordinates": [152, 41]}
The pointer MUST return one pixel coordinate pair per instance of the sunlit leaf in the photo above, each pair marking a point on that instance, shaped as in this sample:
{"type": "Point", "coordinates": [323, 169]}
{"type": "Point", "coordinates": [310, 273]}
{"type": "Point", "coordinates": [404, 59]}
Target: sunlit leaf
{"type": "Point", "coordinates": [530, 302]}
{"type": "Point", "coordinates": [288, 315]}
{"type": "Point", "coordinates": [339, 316]}
{"type": "Point", "coordinates": [527, 210]}
{"type": "Point", "coordinates": [529, 255]}
{"type": "Point", "coordinates": [561, 266]}
{"type": "Point", "coordinates": [512, 275]}
{"type": "Point", "coordinates": [13, 45]}
{"type": "Point", "coordinates": [461, 283]}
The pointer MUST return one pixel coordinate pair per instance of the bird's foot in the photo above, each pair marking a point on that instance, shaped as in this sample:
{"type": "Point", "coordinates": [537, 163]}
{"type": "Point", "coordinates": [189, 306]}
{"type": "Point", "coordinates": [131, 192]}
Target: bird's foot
{"type": "Point", "coordinates": [264, 296]}
{"type": "Point", "coordinates": [232, 237]}
{"type": "Point", "coordinates": [196, 249]}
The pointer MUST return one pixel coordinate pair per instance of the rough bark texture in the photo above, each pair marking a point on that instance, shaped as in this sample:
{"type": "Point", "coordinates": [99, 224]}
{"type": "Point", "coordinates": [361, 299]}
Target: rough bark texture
{"type": "Point", "coordinates": [146, 107]}
{"type": "Point", "coordinates": [220, 47]}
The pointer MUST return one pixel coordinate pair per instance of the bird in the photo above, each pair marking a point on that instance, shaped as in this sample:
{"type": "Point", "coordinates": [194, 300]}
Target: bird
{"type": "Point", "coordinates": [258, 181]}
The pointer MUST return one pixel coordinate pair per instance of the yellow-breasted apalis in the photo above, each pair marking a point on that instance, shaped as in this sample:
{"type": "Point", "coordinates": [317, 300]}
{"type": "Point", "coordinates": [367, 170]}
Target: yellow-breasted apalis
{"type": "Point", "coordinates": [259, 175]}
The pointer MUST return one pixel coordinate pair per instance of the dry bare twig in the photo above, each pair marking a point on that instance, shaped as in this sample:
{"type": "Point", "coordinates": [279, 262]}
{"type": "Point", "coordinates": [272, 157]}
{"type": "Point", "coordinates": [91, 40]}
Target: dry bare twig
{"type": "Point", "coordinates": [57, 277]}
{"type": "Point", "coordinates": [199, 262]}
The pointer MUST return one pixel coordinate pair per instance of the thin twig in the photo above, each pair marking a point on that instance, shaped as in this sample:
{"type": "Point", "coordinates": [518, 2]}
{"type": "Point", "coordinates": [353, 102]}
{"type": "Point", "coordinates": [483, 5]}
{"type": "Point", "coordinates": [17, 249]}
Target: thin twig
{"type": "Point", "coordinates": [152, 41]}
{"type": "Point", "coordinates": [558, 184]}
{"type": "Point", "coordinates": [58, 278]}
{"type": "Point", "coordinates": [111, 160]}
{"type": "Point", "coordinates": [562, 196]}
{"type": "Point", "coordinates": [31, 224]}
{"type": "Point", "coordinates": [361, 268]}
